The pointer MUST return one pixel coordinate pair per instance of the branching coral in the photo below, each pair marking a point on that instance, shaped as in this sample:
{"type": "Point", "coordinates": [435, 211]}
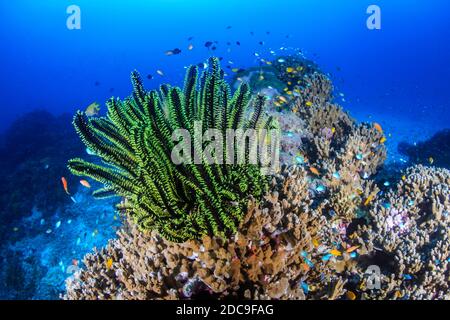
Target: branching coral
{"type": "Point", "coordinates": [317, 229]}
{"type": "Point", "coordinates": [276, 254]}
{"type": "Point", "coordinates": [409, 230]}
{"type": "Point", "coordinates": [186, 200]}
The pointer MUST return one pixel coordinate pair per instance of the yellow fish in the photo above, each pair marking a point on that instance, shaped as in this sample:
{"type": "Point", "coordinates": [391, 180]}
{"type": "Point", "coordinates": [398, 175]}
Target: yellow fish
{"type": "Point", "coordinates": [315, 243]}
{"type": "Point", "coordinates": [430, 160]}
{"type": "Point", "coordinates": [383, 140]}
{"type": "Point", "coordinates": [368, 200]}
{"type": "Point", "coordinates": [309, 103]}
{"type": "Point", "coordinates": [403, 177]}
{"type": "Point", "coordinates": [235, 69]}
{"type": "Point", "coordinates": [92, 109]}
{"type": "Point", "coordinates": [351, 295]}
{"type": "Point", "coordinates": [333, 130]}
{"type": "Point", "coordinates": [335, 252]}
{"type": "Point", "coordinates": [290, 69]}
{"type": "Point", "coordinates": [109, 263]}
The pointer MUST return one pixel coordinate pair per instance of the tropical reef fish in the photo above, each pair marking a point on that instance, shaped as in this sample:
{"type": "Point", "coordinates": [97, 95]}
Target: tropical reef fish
{"type": "Point", "coordinates": [64, 183]}
{"type": "Point", "coordinates": [208, 44]}
{"type": "Point", "coordinates": [58, 224]}
{"type": "Point", "coordinates": [173, 52]}
{"type": "Point", "coordinates": [160, 72]}
{"type": "Point", "coordinates": [190, 47]}
{"type": "Point", "coordinates": [314, 171]}
{"type": "Point", "coordinates": [351, 295]}
{"type": "Point", "coordinates": [86, 184]}
{"type": "Point", "coordinates": [93, 109]}
{"type": "Point", "coordinates": [368, 200]}
{"type": "Point", "coordinates": [109, 263]}
{"type": "Point", "coordinates": [378, 127]}
{"type": "Point", "coordinates": [149, 77]}
{"type": "Point", "coordinates": [335, 252]}
{"type": "Point", "coordinates": [309, 103]}
{"type": "Point", "coordinates": [351, 249]}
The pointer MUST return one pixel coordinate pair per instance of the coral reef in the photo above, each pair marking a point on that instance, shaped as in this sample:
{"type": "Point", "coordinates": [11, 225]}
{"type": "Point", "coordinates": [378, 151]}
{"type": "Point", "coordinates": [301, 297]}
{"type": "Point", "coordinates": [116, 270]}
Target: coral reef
{"type": "Point", "coordinates": [436, 148]}
{"type": "Point", "coordinates": [276, 254]}
{"type": "Point", "coordinates": [323, 222]}
{"type": "Point", "coordinates": [409, 229]}
{"type": "Point", "coordinates": [184, 200]}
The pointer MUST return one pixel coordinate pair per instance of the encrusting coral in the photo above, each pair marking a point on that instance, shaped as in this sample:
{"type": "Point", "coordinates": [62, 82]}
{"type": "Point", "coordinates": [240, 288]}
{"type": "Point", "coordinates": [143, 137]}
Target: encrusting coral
{"type": "Point", "coordinates": [320, 225]}
{"type": "Point", "coordinates": [186, 200]}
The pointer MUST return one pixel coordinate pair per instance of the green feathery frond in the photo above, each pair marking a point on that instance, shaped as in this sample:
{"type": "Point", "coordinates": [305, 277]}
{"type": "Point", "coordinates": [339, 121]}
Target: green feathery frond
{"type": "Point", "coordinates": [186, 200]}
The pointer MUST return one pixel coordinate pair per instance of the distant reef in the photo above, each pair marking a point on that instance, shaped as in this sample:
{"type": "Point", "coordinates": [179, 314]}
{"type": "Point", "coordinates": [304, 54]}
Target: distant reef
{"type": "Point", "coordinates": [435, 150]}
{"type": "Point", "coordinates": [33, 158]}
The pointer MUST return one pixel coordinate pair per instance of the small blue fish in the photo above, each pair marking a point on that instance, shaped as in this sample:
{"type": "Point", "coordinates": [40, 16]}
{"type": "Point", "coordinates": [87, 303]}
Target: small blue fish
{"type": "Point", "coordinates": [353, 255]}
{"type": "Point", "coordinates": [407, 277]}
{"type": "Point", "coordinates": [290, 134]}
{"type": "Point", "coordinates": [386, 184]}
{"type": "Point", "coordinates": [387, 205]}
{"type": "Point", "coordinates": [304, 286]}
{"type": "Point", "coordinates": [327, 257]}
{"type": "Point", "coordinates": [336, 175]}
{"type": "Point", "coordinates": [300, 159]}
{"type": "Point", "coordinates": [58, 224]}
{"type": "Point", "coordinates": [304, 254]}
{"type": "Point", "coordinates": [359, 156]}
{"type": "Point", "coordinates": [320, 188]}
{"type": "Point", "coordinates": [309, 263]}
{"type": "Point", "coordinates": [411, 203]}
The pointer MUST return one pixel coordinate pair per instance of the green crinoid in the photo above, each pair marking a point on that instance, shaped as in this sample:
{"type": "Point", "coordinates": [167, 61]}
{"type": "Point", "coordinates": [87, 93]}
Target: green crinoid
{"type": "Point", "coordinates": [181, 201]}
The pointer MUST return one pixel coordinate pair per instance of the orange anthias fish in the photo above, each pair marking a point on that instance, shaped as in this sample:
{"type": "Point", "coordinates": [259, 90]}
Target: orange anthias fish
{"type": "Point", "coordinates": [64, 183]}
{"type": "Point", "coordinates": [86, 184]}
{"type": "Point", "coordinates": [378, 127]}
{"type": "Point", "coordinates": [351, 249]}
{"type": "Point", "coordinates": [351, 295]}
{"type": "Point", "coordinates": [75, 262]}
{"type": "Point", "coordinates": [315, 171]}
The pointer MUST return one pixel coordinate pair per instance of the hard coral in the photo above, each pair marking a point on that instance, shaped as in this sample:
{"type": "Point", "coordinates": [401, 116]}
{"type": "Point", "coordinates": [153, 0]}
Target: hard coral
{"type": "Point", "coordinates": [409, 227]}
{"type": "Point", "coordinates": [274, 255]}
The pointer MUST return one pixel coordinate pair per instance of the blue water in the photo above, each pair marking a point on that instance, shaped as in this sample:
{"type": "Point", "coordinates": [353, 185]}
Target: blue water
{"type": "Point", "coordinates": [398, 75]}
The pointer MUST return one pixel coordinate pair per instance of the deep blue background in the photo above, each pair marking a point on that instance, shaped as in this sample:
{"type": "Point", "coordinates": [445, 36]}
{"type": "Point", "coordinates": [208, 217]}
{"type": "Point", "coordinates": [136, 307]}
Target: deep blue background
{"type": "Point", "coordinates": [401, 71]}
